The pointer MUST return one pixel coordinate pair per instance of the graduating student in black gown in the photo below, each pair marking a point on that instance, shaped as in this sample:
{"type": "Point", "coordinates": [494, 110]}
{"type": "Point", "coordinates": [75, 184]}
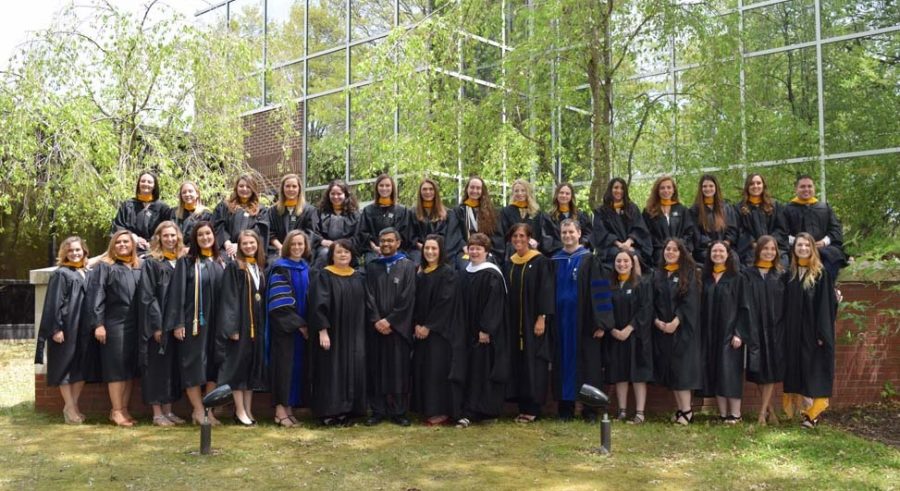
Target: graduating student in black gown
{"type": "Point", "coordinates": [287, 329]}
{"type": "Point", "coordinates": [338, 319]}
{"type": "Point", "coordinates": [143, 213]}
{"type": "Point", "coordinates": [384, 212]}
{"type": "Point", "coordinates": [160, 384]}
{"type": "Point", "coordinates": [722, 336]}
{"type": "Point", "coordinates": [629, 345]}
{"type": "Point", "coordinates": [240, 211]}
{"type": "Point", "coordinates": [476, 213]}
{"type": "Point", "coordinates": [437, 335]}
{"type": "Point", "coordinates": [565, 207]}
{"type": "Point", "coordinates": [810, 307]}
{"type": "Point", "coordinates": [290, 212]}
{"type": "Point", "coordinates": [191, 315]}
{"type": "Point", "coordinates": [759, 214]}
{"type": "Point", "coordinates": [390, 300]}
{"type": "Point", "coordinates": [666, 218]}
{"type": "Point", "coordinates": [337, 217]}
{"type": "Point", "coordinates": [430, 215]}
{"type": "Point", "coordinates": [578, 324]}
{"type": "Point", "coordinates": [677, 363]}
{"type": "Point", "coordinates": [60, 329]}
{"type": "Point", "coordinates": [486, 339]}
{"type": "Point", "coordinates": [240, 344]}
{"type": "Point", "coordinates": [714, 218]}
{"type": "Point", "coordinates": [806, 214]}
{"type": "Point", "coordinates": [190, 210]}
{"type": "Point", "coordinates": [523, 208]}
{"type": "Point", "coordinates": [532, 298]}
{"type": "Point", "coordinates": [619, 226]}
{"type": "Point", "coordinates": [760, 316]}
{"type": "Point", "coordinates": [113, 297]}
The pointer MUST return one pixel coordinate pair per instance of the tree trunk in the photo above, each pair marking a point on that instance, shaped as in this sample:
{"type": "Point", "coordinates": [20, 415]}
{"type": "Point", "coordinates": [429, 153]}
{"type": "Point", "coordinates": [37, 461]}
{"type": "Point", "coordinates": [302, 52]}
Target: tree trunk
{"type": "Point", "coordinates": [600, 82]}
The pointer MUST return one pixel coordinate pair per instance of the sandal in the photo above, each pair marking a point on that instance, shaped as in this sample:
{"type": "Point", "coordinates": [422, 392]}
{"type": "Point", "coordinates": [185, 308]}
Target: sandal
{"type": "Point", "coordinates": [285, 422]}
{"type": "Point", "coordinates": [525, 418]}
{"type": "Point", "coordinates": [120, 419]}
{"type": "Point", "coordinates": [808, 423]}
{"type": "Point", "coordinates": [638, 418]}
{"type": "Point", "coordinates": [463, 423]}
{"type": "Point", "coordinates": [732, 420]}
{"type": "Point", "coordinates": [623, 414]}
{"type": "Point", "coordinates": [162, 420]}
{"type": "Point", "coordinates": [681, 417]}
{"type": "Point", "coordinates": [175, 419]}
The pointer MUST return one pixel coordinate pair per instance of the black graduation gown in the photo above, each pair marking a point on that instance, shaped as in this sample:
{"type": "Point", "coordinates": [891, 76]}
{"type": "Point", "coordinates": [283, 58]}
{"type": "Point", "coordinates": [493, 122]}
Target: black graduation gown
{"type": "Point", "coordinates": [809, 317]}
{"type": "Point", "coordinates": [820, 221]}
{"type": "Point", "coordinates": [191, 220]}
{"type": "Point", "coordinates": [375, 218]}
{"type": "Point", "coordinates": [541, 231]}
{"type": "Point", "coordinates": [160, 382]}
{"type": "Point", "coordinates": [531, 293]}
{"type": "Point", "coordinates": [677, 361]}
{"type": "Point", "coordinates": [756, 223]}
{"type": "Point", "coordinates": [723, 365]}
{"type": "Point", "coordinates": [132, 216]}
{"type": "Point", "coordinates": [281, 224]}
{"type": "Point", "coordinates": [458, 233]}
{"type": "Point", "coordinates": [62, 312]}
{"type": "Point", "coordinates": [242, 363]}
{"type": "Point", "coordinates": [705, 235]}
{"type": "Point", "coordinates": [551, 228]}
{"type": "Point", "coordinates": [424, 228]}
{"type": "Point", "coordinates": [484, 309]}
{"type": "Point", "coordinates": [678, 225]}
{"type": "Point", "coordinates": [631, 360]}
{"type": "Point", "coordinates": [435, 308]}
{"type": "Point", "coordinates": [113, 294]}
{"type": "Point", "coordinates": [229, 224]}
{"type": "Point", "coordinates": [331, 226]}
{"type": "Point", "coordinates": [588, 316]}
{"type": "Point", "coordinates": [760, 317]}
{"type": "Point", "coordinates": [338, 376]}
{"type": "Point", "coordinates": [390, 295]}
{"type": "Point", "coordinates": [611, 226]}
{"type": "Point", "coordinates": [196, 354]}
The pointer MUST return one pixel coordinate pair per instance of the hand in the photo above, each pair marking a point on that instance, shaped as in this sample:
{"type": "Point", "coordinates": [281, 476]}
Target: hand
{"type": "Point", "coordinates": [659, 324]}
{"type": "Point", "coordinates": [59, 337]}
{"type": "Point", "coordinates": [820, 342]}
{"type": "Point", "coordinates": [670, 327]}
{"type": "Point", "coordinates": [383, 326]}
{"type": "Point", "coordinates": [599, 333]}
{"type": "Point", "coordinates": [157, 336]}
{"type": "Point", "coordinates": [483, 337]}
{"type": "Point", "coordinates": [532, 243]}
{"type": "Point", "coordinates": [324, 340]}
{"type": "Point", "coordinates": [234, 337]}
{"type": "Point", "coordinates": [374, 247]}
{"type": "Point", "coordinates": [304, 331]}
{"type": "Point", "coordinates": [620, 245]}
{"type": "Point", "coordinates": [422, 332]}
{"type": "Point", "coordinates": [100, 334]}
{"type": "Point", "coordinates": [179, 333]}
{"type": "Point", "coordinates": [629, 243]}
{"type": "Point", "coordinates": [673, 324]}
{"type": "Point", "coordinates": [820, 244]}
{"type": "Point", "coordinates": [838, 295]}
{"type": "Point", "coordinates": [736, 342]}
{"type": "Point", "coordinates": [626, 332]}
{"type": "Point", "coordinates": [326, 243]}
{"type": "Point", "coordinates": [276, 244]}
{"type": "Point", "coordinates": [230, 248]}
{"type": "Point", "coordinates": [540, 325]}
{"type": "Point", "coordinates": [141, 242]}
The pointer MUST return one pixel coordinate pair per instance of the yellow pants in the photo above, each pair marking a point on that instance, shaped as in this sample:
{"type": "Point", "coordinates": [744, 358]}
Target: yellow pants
{"type": "Point", "coordinates": [818, 406]}
{"type": "Point", "coordinates": [792, 403]}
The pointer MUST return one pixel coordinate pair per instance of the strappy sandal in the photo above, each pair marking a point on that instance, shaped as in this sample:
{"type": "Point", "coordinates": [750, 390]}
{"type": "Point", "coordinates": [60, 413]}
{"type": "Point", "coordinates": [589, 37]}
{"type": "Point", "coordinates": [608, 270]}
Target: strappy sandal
{"type": "Point", "coordinates": [285, 422]}
{"type": "Point", "coordinates": [463, 423]}
{"type": "Point", "coordinates": [681, 417]}
{"type": "Point", "coordinates": [175, 419]}
{"type": "Point", "coordinates": [162, 420]}
{"type": "Point", "coordinates": [637, 419]}
{"type": "Point", "coordinates": [623, 414]}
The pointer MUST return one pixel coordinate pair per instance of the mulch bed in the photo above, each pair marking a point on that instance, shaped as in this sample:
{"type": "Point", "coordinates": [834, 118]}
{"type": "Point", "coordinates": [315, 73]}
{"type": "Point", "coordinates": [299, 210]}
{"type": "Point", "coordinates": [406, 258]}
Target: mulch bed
{"type": "Point", "coordinates": [879, 421]}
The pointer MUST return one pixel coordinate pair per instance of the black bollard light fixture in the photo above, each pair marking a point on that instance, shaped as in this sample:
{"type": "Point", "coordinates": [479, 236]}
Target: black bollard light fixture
{"type": "Point", "coordinates": [595, 398]}
{"type": "Point", "coordinates": [219, 396]}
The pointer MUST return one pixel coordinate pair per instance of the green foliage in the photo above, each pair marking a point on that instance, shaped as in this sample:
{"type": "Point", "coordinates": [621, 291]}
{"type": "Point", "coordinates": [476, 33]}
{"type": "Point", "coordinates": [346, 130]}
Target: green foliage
{"type": "Point", "coordinates": [889, 391]}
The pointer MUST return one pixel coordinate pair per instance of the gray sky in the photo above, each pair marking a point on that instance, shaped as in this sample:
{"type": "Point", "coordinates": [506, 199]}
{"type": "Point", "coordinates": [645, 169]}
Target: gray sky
{"type": "Point", "coordinates": [20, 18]}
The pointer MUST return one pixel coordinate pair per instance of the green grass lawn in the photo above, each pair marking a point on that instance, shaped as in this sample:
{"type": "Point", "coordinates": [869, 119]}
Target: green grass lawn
{"type": "Point", "coordinates": [38, 452]}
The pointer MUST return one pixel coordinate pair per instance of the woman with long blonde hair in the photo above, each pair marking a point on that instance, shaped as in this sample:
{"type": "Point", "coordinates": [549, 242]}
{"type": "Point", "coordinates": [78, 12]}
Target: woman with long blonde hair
{"type": "Point", "coordinates": [190, 210]}
{"type": "Point", "coordinates": [290, 212]}
{"type": "Point", "coordinates": [240, 211]}
{"type": "Point", "coordinates": [523, 208]}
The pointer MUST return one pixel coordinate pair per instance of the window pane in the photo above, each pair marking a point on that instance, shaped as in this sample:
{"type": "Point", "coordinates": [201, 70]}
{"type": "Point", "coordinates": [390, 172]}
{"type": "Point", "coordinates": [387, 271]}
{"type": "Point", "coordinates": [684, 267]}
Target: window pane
{"type": "Point", "coordinates": [415, 10]}
{"type": "Point", "coordinates": [360, 58]}
{"type": "Point", "coordinates": [327, 72]}
{"type": "Point", "coordinates": [327, 24]}
{"type": "Point", "coordinates": [326, 138]}
{"type": "Point", "coordinates": [285, 30]}
{"type": "Point", "coordinates": [371, 17]}
{"type": "Point", "coordinates": [285, 83]}
{"type": "Point", "coordinates": [779, 25]}
{"type": "Point", "coordinates": [849, 16]}
{"type": "Point", "coordinates": [246, 20]}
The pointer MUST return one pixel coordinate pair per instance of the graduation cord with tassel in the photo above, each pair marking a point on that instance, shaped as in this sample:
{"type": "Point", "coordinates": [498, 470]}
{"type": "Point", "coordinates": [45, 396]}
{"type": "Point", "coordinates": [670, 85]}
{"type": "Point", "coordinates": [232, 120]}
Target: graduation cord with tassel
{"type": "Point", "coordinates": [250, 303]}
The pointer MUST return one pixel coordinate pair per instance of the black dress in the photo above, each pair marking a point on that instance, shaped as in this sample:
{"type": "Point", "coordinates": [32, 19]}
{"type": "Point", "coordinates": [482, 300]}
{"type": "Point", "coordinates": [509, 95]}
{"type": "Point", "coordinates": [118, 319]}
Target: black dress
{"type": "Point", "coordinates": [820, 221]}
{"type": "Point", "coordinates": [287, 306]}
{"type": "Point", "coordinates": [332, 226]}
{"type": "Point", "coordinates": [375, 218]}
{"type": "Point", "coordinates": [705, 233]}
{"type": "Point", "coordinates": [678, 225]}
{"type": "Point", "coordinates": [760, 316]}
{"type": "Point", "coordinates": [436, 305]}
{"type": "Point", "coordinates": [809, 316]}
{"type": "Point", "coordinates": [229, 224]}
{"type": "Point", "coordinates": [484, 309]}
{"type": "Point", "coordinates": [113, 293]}
{"type": "Point", "coordinates": [677, 357]}
{"type": "Point", "coordinates": [611, 225]}
{"type": "Point", "coordinates": [553, 221]}
{"type": "Point", "coordinates": [724, 365]}
{"type": "Point", "coordinates": [282, 223]}
{"type": "Point", "coordinates": [196, 352]}
{"type": "Point", "coordinates": [338, 375]}
{"type": "Point", "coordinates": [190, 220]}
{"type": "Point", "coordinates": [160, 382]}
{"type": "Point", "coordinates": [62, 312]}
{"type": "Point", "coordinates": [242, 362]}
{"type": "Point", "coordinates": [138, 219]}
{"type": "Point", "coordinates": [460, 227]}
{"type": "Point", "coordinates": [756, 223]}
{"type": "Point", "coordinates": [631, 360]}
{"type": "Point", "coordinates": [541, 231]}
{"type": "Point", "coordinates": [428, 226]}
{"type": "Point", "coordinates": [531, 293]}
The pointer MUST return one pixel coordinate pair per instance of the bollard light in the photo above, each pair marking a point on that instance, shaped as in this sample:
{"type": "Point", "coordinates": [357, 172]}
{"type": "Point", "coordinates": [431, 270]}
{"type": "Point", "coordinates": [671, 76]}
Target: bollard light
{"type": "Point", "coordinates": [219, 396]}
{"type": "Point", "coordinates": [597, 399]}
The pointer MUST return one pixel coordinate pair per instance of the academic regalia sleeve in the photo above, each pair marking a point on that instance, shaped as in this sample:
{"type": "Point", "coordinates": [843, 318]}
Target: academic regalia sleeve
{"type": "Point", "coordinates": [779, 228]}
{"type": "Point", "coordinates": [688, 309]}
{"type": "Point", "coordinates": [404, 303]}
{"type": "Point", "coordinates": [545, 233]}
{"type": "Point", "coordinates": [701, 238]}
{"type": "Point", "coordinates": [364, 231]}
{"type": "Point", "coordinates": [55, 308]}
{"type": "Point", "coordinates": [276, 226]}
{"type": "Point", "coordinates": [371, 304]}
{"type": "Point", "coordinates": [407, 233]}
{"type": "Point", "coordinates": [587, 228]}
{"type": "Point", "coordinates": [229, 305]}
{"type": "Point", "coordinates": [149, 313]}
{"type": "Point", "coordinates": [744, 320]}
{"type": "Point", "coordinates": [174, 315]}
{"type": "Point", "coordinates": [835, 231]}
{"type": "Point", "coordinates": [319, 302]}
{"type": "Point", "coordinates": [262, 224]}
{"type": "Point", "coordinates": [601, 239]}
{"type": "Point", "coordinates": [826, 309]}
{"type": "Point", "coordinates": [642, 321]}
{"type": "Point", "coordinates": [454, 238]}
{"type": "Point", "coordinates": [440, 315]}
{"type": "Point", "coordinates": [643, 244]}
{"type": "Point", "coordinates": [122, 220]}
{"type": "Point", "coordinates": [731, 225]}
{"type": "Point", "coordinates": [730, 308]}
{"type": "Point", "coordinates": [97, 291]}
{"type": "Point", "coordinates": [492, 312]}
{"type": "Point", "coordinates": [600, 297]}
{"type": "Point", "coordinates": [546, 295]}
{"type": "Point", "coordinates": [221, 217]}
{"type": "Point", "coordinates": [307, 224]}
{"type": "Point", "coordinates": [282, 303]}
{"type": "Point", "coordinates": [689, 230]}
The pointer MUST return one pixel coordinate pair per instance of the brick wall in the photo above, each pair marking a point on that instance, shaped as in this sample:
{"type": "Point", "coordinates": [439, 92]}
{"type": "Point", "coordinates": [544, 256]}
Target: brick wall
{"type": "Point", "coordinates": [862, 369]}
{"type": "Point", "coordinates": [263, 144]}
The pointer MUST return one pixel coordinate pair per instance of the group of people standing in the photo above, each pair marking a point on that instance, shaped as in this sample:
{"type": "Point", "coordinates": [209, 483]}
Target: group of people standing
{"type": "Point", "coordinates": [449, 312]}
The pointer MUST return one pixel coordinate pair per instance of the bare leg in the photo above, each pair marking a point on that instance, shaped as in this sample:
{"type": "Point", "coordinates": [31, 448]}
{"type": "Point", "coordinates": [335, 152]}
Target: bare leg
{"type": "Point", "coordinates": [76, 396]}
{"type": "Point", "coordinates": [683, 402]}
{"type": "Point", "coordinates": [248, 404]}
{"type": "Point", "coordinates": [734, 407]}
{"type": "Point", "coordinates": [210, 386]}
{"type": "Point", "coordinates": [622, 394]}
{"type": "Point", "coordinates": [117, 400]}
{"type": "Point", "coordinates": [70, 414]}
{"type": "Point", "coordinates": [193, 395]}
{"type": "Point", "coordinates": [723, 406]}
{"type": "Point", "coordinates": [240, 410]}
{"type": "Point", "coordinates": [126, 399]}
{"type": "Point", "coordinates": [640, 395]}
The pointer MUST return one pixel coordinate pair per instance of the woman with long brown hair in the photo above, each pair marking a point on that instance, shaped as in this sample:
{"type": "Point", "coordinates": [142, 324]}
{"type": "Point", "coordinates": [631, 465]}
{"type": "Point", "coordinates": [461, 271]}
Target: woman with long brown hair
{"type": "Point", "coordinates": [667, 218]}
{"type": "Point", "coordinates": [565, 207]}
{"type": "Point", "coordinates": [384, 212]}
{"type": "Point", "coordinates": [141, 214]}
{"type": "Point", "coordinates": [619, 226]}
{"type": "Point", "coordinates": [714, 218]}
{"type": "Point", "coordinates": [240, 211]}
{"type": "Point", "coordinates": [475, 214]}
{"type": "Point", "coordinates": [759, 214]}
{"type": "Point", "coordinates": [430, 213]}
{"type": "Point", "coordinates": [337, 217]}
{"type": "Point", "coordinates": [113, 317]}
